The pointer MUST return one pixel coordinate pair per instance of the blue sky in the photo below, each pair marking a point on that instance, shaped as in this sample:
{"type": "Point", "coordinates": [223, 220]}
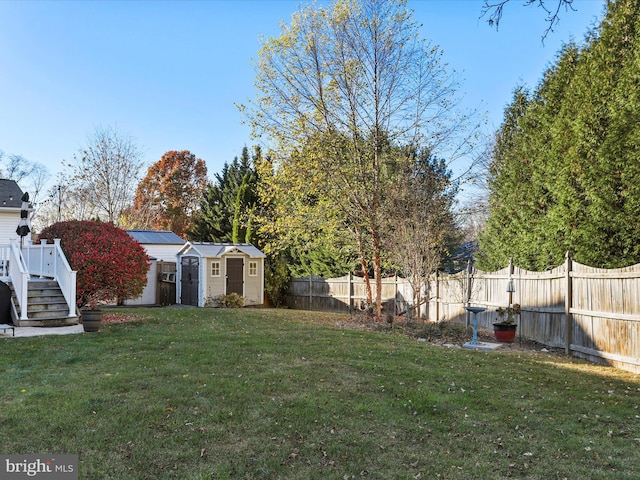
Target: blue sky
{"type": "Point", "coordinates": [167, 73]}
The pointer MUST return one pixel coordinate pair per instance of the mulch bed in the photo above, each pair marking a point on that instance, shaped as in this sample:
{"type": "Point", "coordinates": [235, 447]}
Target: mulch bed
{"type": "Point", "coordinates": [443, 333]}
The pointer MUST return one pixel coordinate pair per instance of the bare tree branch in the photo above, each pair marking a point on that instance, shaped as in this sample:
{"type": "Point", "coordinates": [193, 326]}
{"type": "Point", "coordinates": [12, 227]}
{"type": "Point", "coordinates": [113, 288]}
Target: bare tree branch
{"type": "Point", "coordinates": [106, 172]}
{"type": "Point", "coordinates": [494, 9]}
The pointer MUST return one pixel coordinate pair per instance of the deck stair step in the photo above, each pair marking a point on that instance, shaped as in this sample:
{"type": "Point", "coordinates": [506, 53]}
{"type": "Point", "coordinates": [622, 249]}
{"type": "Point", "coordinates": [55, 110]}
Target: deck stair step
{"type": "Point", "coordinates": [46, 305]}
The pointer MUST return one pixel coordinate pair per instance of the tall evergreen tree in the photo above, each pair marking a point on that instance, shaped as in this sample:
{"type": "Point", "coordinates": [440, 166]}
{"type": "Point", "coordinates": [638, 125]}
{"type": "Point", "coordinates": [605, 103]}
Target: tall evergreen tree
{"type": "Point", "coordinates": [575, 150]}
{"type": "Point", "coordinates": [228, 205]}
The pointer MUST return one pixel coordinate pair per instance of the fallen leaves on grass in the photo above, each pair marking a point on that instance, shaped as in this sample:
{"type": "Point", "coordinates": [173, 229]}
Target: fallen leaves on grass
{"type": "Point", "coordinates": [113, 318]}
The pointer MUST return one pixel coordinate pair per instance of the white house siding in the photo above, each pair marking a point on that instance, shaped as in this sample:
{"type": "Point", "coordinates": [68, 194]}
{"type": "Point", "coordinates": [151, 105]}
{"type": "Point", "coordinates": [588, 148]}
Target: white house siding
{"type": "Point", "coordinates": [8, 223]}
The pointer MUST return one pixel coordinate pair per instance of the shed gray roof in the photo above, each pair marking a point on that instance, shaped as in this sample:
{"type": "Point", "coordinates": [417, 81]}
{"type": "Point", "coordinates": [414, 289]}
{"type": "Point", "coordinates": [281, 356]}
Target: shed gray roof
{"type": "Point", "coordinates": [217, 250]}
{"type": "Point", "coordinates": [10, 194]}
{"type": "Point", "coordinates": [156, 237]}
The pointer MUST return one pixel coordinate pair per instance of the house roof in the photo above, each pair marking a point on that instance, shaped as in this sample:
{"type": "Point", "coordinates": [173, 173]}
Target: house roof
{"type": "Point", "coordinates": [10, 194]}
{"type": "Point", "coordinates": [157, 237]}
{"type": "Point", "coordinates": [217, 250]}
{"type": "Point", "coordinates": [457, 261]}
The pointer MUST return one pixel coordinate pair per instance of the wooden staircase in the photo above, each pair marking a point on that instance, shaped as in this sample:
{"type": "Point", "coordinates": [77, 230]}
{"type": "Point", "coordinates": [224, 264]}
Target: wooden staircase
{"type": "Point", "coordinates": [46, 305]}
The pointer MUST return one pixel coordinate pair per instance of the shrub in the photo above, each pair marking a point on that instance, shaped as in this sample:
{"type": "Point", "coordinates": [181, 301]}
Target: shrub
{"type": "Point", "coordinates": [276, 279]}
{"type": "Point", "coordinates": [232, 300]}
{"type": "Point", "coordinates": [110, 265]}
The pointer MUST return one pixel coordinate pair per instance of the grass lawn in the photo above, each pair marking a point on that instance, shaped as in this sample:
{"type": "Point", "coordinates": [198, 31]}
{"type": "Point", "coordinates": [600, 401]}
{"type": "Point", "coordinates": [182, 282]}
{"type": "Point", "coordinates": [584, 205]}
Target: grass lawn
{"type": "Point", "coordinates": [188, 393]}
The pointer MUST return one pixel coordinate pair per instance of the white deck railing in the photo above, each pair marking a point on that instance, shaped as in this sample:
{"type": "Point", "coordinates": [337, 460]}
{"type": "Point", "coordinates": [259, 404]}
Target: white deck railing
{"type": "Point", "coordinates": [19, 276]}
{"type": "Point", "coordinates": [46, 261]}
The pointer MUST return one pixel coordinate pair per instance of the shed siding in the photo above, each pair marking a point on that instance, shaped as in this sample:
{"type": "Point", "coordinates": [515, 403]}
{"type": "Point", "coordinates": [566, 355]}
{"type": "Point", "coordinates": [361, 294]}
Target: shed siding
{"type": "Point", "coordinates": [165, 253]}
{"type": "Point", "coordinates": [215, 285]}
{"type": "Point", "coordinates": [148, 296]}
{"type": "Point", "coordinates": [253, 284]}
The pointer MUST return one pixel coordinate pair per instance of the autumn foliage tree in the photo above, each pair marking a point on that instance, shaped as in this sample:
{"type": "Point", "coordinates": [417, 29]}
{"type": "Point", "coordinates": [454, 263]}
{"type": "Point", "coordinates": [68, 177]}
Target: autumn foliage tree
{"type": "Point", "coordinates": [169, 195]}
{"type": "Point", "coordinates": [110, 264]}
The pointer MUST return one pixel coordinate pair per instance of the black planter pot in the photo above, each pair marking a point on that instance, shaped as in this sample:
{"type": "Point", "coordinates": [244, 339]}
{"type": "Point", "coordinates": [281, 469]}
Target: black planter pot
{"type": "Point", "coordinates": [91, 320]}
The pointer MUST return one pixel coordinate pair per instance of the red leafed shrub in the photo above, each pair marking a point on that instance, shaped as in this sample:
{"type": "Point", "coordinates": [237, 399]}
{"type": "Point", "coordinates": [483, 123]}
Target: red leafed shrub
{"type": "Point", "coordinates": [110, 264]}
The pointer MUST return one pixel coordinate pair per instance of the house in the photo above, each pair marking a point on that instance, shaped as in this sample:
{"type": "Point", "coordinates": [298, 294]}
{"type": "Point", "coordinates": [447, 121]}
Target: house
{"type": "Point", "coordinates": [43, 286]}
{"type": "Point", "coordinates": [10, 205]}
{"type": "Point", "coordinates": [208, 270]}
{"type": "Point", "coordinates": [162, 247]}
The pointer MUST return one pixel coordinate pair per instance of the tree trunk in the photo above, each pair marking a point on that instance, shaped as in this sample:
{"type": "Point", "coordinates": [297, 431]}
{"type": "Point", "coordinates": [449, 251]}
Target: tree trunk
{"type": "Point", "coordinates": [377, 269]}
{"type": "Point", "coordinates": [365, 266]}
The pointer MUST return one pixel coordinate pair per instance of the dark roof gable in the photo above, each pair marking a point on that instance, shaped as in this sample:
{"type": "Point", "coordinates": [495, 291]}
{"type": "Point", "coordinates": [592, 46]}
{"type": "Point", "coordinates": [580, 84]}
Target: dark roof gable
{"type": "Point", "coordinates": [10, 193]}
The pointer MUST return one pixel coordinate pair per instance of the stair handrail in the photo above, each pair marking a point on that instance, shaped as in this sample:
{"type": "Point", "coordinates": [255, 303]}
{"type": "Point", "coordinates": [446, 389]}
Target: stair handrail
{"type": "Point", "coordinates": [19, 274]}
{"type": "Point", "coordinates": [65, 276]}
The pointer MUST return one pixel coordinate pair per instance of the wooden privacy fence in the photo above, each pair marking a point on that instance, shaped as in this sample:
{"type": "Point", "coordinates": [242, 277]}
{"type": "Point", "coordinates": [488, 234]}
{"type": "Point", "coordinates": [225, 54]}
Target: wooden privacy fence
{"type": "Point", "coordinates": [592, 313]}
{"type": "Point", "coordinates": [345, 294]}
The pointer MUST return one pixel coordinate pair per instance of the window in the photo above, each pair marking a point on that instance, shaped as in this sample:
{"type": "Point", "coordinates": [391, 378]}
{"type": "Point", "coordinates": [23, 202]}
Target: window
{"type": "Point", "coordinates": [253, 269]}
{"type": "Point", "coordinates": [215, 269]}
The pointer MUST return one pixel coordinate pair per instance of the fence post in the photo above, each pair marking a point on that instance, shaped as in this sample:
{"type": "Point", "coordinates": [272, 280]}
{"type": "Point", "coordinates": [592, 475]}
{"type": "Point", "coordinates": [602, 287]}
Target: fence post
{"type": "Point", "coordinates": [350, 289]}
{"type": "Point", "coordinates": [437, 297]}
{"type": "Point", "coordinates": [568, 303]}
{"type": "Point", "coordinates": [467, 294]}
{"type": "Point", "coordinates": [395, 294]}
{"type": "Point", "coordinates": [510, 277]}
{"type": "Point", "coordinates": [310, 292]}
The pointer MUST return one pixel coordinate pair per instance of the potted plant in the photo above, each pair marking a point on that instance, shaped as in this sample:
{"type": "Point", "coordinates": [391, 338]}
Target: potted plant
{"type": "Point", "coordinates": [110, 265]}
{"type": "Point", "coordinates": [505, 328]}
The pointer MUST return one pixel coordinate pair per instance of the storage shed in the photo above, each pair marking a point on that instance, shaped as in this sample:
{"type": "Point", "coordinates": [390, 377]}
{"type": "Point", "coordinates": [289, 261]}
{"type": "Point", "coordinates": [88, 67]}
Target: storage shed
{"type": "Point", "coordinates": [208, 270]}
{"type": "Point", "coordinates": [162, 248]}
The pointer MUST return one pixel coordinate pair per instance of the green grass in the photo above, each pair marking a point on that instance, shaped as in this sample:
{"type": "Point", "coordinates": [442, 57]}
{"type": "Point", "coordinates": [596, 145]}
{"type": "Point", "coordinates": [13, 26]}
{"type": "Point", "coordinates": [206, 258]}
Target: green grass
{"type": "Point", "coordinates": [282, 394]}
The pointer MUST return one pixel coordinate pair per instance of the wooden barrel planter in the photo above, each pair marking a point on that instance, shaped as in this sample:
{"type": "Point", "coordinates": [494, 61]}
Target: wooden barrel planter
{"type": "Point", "coordinates": [91, 320]}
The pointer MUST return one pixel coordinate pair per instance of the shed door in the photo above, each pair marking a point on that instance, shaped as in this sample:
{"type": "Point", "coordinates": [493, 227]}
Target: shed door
{"type": "Point", "coordinates": [189, 283]}
{"type": "Point", "coordinates": [235, 276]}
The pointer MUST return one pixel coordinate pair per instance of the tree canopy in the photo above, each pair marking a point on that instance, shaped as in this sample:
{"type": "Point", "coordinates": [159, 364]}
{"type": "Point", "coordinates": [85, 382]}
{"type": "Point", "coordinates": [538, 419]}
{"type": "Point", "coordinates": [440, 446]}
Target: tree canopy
{"type": "Point", "coordinates": [227, 208]}
{"type": "Point", "coordinates": [565, 174]}
{"type": "Point", "coordinates": [168, 197]}
{"type": "Point", "coordinates": [104, 176]}
{"type": "Point", "coordinates": [340, 90]}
